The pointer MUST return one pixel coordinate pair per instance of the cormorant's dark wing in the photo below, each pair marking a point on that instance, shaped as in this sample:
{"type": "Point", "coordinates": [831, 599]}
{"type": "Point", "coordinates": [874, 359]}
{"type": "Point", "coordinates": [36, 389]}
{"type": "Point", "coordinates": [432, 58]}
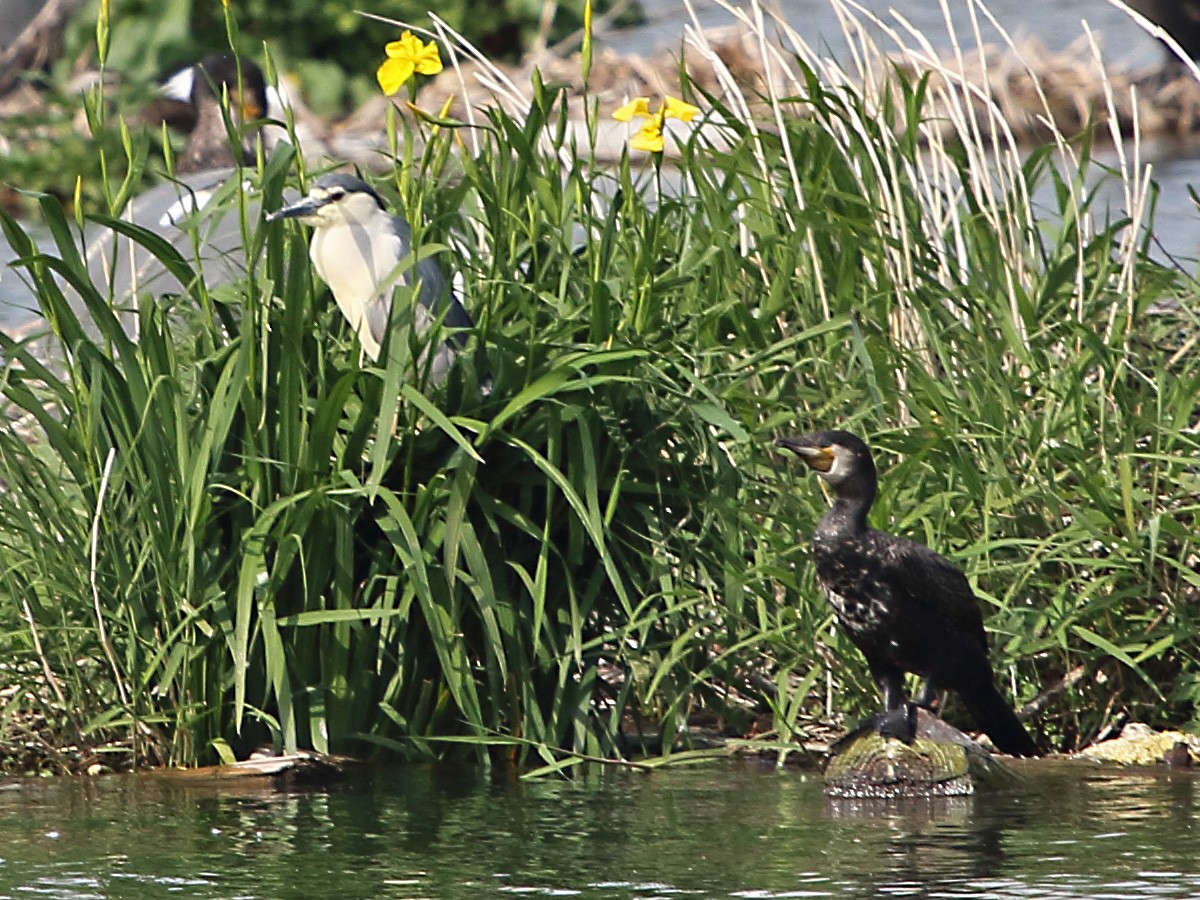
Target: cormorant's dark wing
{"type": "Point", "coordinates": [931, 580]}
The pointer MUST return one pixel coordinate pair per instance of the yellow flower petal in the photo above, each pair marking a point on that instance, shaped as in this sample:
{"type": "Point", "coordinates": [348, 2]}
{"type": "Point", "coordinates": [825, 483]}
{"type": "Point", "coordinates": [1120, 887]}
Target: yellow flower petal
{"type": "Point", "coordinates": [406, 57]}
{"type": "Point", "coordinates": [648, 138]}
{"type": "Point", "coordinates": [677, 109]}
{"type": "Point", "coordinates": [393, 73]}
{"type": "Point", "coordinates": [637, 107]}
{"type": "Point", "coordinates": [409, 45]}
{"type": "Point", "coordinates": [428, 62]}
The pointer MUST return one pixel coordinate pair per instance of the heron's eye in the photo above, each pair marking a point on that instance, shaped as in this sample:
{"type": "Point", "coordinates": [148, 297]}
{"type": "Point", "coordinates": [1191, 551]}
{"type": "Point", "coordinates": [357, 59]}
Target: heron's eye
{"type": "Point", "coordinates": [337, 195]}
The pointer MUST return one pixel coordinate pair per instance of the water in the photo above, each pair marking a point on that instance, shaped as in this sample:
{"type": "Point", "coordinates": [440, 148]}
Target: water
{"type": "Point", "coordinates": [722, 830]}
{"type": "Point", "coordinates": [1057, 23]}
{"type": "Point", "coordinates": [17, 304]}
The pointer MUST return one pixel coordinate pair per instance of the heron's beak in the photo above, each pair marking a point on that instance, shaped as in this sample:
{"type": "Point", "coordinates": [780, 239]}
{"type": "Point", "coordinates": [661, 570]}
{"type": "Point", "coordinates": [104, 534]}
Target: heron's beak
{"type": "Point", "coordinates": [303, 209]}
{"type": "Point", "coordinates": [819, 458]}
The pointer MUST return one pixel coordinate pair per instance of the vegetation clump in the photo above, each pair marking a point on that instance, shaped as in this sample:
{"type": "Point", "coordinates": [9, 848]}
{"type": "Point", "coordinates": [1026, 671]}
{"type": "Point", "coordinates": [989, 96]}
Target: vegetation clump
{"type": "Point", "coordinates": [225, 530]}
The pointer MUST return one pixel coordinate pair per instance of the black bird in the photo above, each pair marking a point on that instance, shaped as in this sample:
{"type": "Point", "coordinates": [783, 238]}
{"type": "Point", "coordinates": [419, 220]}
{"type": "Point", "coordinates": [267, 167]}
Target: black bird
{"type": "Point", "coordinates": [125, 269]}
{"type": "Point", "coordinates": [905, 607]}
{"type": "Point", "coordinates": [1181, 20]}
{"type": "Point", "coordinates": [218, 74]}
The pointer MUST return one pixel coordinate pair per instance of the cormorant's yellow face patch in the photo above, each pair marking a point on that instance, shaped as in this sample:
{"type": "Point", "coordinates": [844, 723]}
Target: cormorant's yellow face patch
{"type": "Point", "coordinates": [822, 459]}
{"type": "Point", "coordinates": [818, 458]}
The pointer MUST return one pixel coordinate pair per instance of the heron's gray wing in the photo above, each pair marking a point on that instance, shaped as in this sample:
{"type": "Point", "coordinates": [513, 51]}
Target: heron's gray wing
{"type": "Point", "coordinates": [434, 293]}
{"type": "Point", "coordinates": [438, 297]}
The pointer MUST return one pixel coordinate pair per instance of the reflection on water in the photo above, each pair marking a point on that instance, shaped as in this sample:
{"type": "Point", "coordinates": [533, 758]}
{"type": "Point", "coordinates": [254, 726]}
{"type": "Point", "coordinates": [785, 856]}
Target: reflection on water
{"type": "Point", "coordinates": [718, 831]}
{"type": "Point", "coordinates": [1070, 832]}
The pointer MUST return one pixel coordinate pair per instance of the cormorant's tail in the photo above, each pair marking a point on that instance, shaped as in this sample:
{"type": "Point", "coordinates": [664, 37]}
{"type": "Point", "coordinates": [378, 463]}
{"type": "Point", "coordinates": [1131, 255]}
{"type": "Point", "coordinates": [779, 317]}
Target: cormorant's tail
{"type": "Point", "coordinates": [995, 717]}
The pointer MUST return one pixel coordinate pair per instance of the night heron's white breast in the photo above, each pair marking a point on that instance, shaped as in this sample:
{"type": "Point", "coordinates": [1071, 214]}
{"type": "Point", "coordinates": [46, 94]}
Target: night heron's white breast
{"type": "Point", "coordinates": [359, 258]}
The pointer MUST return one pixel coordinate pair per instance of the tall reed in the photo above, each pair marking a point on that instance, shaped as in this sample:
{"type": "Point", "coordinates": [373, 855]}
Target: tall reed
{"type": "Point", "coordinates": [229, 531]}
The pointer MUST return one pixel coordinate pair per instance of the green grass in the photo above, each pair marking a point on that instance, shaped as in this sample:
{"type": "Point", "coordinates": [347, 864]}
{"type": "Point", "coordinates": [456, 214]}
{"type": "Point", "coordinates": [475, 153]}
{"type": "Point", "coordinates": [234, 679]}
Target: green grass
{"type": "Point", "coordinates": [229, 532]}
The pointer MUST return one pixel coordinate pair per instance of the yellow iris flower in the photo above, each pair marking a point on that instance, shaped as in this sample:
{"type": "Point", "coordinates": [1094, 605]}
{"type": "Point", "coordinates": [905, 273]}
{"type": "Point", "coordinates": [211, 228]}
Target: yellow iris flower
{"type": "Point", "coordinates": [406, 57]}
{"type": "Point", "coordinates": [650, 134]}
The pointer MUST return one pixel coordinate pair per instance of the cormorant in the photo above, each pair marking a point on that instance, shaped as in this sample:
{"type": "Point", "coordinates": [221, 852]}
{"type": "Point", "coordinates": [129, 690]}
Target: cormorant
{"type": "Point", "coordinates": [213, 241]}
{"type": "Point", "coordinates": [208, 147]}
{"type": "Point", "coordinates": [1181, 20]}
{"type": "Point", "coordinates": [905, 607]}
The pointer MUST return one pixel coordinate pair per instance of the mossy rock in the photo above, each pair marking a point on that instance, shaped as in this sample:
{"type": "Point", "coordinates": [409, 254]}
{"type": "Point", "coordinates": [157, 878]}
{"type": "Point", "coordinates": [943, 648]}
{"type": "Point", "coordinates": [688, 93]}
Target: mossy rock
{"type": "Point", "coordinates": [940, 762]}
{"type": "Point", "coordinates": [1140, 745]}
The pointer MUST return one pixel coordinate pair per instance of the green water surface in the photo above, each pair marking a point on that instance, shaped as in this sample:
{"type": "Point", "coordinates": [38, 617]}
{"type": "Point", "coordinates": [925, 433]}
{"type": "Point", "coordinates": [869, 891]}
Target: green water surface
{"type": "Point", "coordinates": [722, 830]}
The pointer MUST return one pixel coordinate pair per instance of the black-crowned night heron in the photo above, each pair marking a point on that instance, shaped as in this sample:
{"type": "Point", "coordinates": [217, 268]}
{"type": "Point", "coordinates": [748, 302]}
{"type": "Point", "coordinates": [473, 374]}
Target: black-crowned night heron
{"type": "Point", "coordinates": [210, 237]}
{"type": "Point", "coordinates": [364, 253]}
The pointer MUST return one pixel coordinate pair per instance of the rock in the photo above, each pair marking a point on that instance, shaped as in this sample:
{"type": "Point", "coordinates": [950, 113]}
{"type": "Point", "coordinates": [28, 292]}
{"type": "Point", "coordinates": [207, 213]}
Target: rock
{"type": "Point", "coordinates": [940, 762]}
{"type": "Point", "coordinates": [1140, 745]}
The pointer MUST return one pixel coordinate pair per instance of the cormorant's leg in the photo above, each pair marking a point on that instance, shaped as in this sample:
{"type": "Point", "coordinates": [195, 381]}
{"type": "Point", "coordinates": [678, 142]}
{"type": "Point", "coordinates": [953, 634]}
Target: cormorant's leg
{"type": "Point", "coordinates": [891, 687]}
{"type": "Point", "coordinates": [898, 719]}
{"type": "Point", "coordinates": [930, 697]}
{"type": "Point", "coordinates": [900, 723]}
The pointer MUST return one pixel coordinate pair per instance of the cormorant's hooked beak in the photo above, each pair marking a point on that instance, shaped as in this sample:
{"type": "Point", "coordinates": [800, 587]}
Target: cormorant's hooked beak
{"type": "Point", "coordinates": [815, 457]}
{"type": "Point", "coordinates": [302, 209]}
